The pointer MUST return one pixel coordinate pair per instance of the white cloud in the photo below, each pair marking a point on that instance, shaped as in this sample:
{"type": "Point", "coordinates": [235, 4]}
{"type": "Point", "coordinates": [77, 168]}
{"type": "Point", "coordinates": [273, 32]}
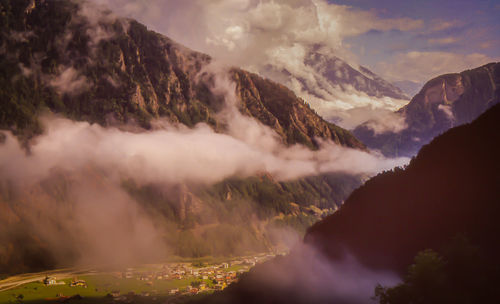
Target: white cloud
{"type": "Point", "coordinates": [245, 32]}
{"type": "Point", "coordinates": [381, 121]}
{"type": "Point", "coordinates": [310, 277]}
{"type": "Point", "coordinates": [69, 81]}
{"type": "Point", "coordinates": [259, 34]}
{"type": "Point", "coordinates": [347, 108]}
{"type": "Point", "coordinates": [443, 41]}
{"type": "Point", "coordinates": [447, 110]}
{"type": "Point", "coordinates": [176, 154]}
{"type": "Point", "coordinates": [439, 25]}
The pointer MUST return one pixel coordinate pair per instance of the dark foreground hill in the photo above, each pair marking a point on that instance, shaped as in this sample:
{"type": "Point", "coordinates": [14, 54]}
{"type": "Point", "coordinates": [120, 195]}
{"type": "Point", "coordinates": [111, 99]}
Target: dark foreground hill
{"type": "Point", "coordinates": [450, 189]}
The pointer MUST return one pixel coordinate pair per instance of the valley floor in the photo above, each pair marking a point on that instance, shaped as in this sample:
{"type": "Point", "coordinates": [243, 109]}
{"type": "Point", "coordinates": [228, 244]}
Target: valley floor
{"type": "Point", "coordinates": [155, 283]}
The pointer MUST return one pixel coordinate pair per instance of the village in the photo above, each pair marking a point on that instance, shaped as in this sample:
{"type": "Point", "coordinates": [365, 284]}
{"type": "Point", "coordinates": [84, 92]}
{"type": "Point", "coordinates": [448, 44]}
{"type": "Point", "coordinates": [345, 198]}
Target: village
{"type": "Point", "coordinates": [162, 280]}
{"type": "Point", "coordinates": [201, 277]}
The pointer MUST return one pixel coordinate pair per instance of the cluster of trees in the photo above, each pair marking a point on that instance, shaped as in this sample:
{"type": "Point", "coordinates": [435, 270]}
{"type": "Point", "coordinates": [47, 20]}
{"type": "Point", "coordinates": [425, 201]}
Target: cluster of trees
{"type": "Point", "coordinates": [460, 275]}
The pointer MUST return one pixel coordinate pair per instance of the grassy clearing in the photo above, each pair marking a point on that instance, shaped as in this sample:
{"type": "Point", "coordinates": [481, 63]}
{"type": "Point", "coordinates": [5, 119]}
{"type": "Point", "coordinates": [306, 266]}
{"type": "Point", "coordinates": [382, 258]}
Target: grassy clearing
{"type": "Point", "coordinates": [98, 287]}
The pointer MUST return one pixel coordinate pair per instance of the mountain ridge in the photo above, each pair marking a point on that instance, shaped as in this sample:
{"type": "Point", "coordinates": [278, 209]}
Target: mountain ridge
{"type": "Point", "coordinates": [443, 102]}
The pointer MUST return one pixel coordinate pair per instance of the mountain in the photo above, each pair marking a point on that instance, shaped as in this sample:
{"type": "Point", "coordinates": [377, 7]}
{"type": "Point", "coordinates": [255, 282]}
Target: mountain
{"type": "Point", "coordinates": [85, 64]}
{"type": "Point", "coordinates": [89, 65]}
{"type": "Point", "coordinates": [332, 85]}
{"type": "Point", "coordinates": [332, 72]}
{"type": "Point", "coordinates": [449, 190]}
{"type": "Point", "coordinates": [443, 102]}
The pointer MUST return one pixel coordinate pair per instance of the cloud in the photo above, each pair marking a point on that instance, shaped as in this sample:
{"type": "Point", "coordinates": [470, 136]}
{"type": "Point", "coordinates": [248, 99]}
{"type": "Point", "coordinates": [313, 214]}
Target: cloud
{"type": "Point", "coordinates": [488, 44]}
{"type": "Point", "coordinates": [443, 41]}
{"type": "Point", "coordinates": [255, 34]}
{"type": "Point", "coordinates": [78, 215]}
{"type": "Point", "coordinates": [447, 110]}
{"type": "Point", "coordinates": [249, 33]}
{"type": "Point", "coordinates": [97, 18]}
{"type": "Point", "coordinates": [176, 154]}
{"type": "Point", "coordinates": [443, 25]}
{"type": "Point", "coordinates": [307, 276]}
{"type": "Point", "coordinates": [382, 121]}
{"type": "Point", "coordinates": [422, 66]}
{"type": "Point", "coordinates": [347, 108]}
{"type": "Point", "coordinates": [68, 80]}
{"type": "Point", "coordinates": [274, 39]}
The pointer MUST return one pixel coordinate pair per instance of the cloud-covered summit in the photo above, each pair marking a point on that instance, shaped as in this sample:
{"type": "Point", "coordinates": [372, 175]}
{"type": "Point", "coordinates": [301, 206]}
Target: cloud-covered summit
{"type": "Point", "coordinates": [404, 42]}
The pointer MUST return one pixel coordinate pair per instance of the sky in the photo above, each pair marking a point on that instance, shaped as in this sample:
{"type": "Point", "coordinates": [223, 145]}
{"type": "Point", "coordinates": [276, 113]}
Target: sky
{"type": "Point", "coordinates": [454, 35]}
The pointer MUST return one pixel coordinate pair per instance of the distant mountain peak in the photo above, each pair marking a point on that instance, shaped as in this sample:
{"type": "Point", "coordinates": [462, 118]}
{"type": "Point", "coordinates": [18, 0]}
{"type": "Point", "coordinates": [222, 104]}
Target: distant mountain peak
{"type": "Point", "coordinates": [332, 86]}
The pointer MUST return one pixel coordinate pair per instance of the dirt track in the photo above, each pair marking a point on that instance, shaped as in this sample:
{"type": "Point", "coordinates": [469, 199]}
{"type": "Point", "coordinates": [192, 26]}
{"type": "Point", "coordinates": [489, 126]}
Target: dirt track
{"type": "Point", "coordinates": [14, 281]}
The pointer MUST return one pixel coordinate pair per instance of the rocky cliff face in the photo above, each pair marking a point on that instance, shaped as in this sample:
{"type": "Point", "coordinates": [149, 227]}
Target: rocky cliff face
{"type": "Point", "coordinates": [90, 65]}
{"type": "Point", "coordinates": [276, 106]}
{"type": "Point", "coordinates": [444, 102]}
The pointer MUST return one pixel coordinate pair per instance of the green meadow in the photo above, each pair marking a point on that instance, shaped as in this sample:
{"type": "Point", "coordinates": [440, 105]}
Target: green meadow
{"type": "Point", "coordinates": [98, 287]}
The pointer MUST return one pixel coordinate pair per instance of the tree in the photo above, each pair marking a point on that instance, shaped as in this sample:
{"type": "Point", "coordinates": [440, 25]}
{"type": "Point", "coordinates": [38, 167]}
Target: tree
{"type": "Point", "coordinates": [423, 283]}
{"type": "Point", "coordinates": [460, 275]}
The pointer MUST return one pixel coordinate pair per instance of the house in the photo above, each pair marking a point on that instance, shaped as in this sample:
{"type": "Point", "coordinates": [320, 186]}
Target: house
{"type": "Point", "coordinates": [128, 275]}
{"type": "Point", "coordinates": [79, 283]}
{"type": "Point", "coordinates": [174, 291]}
{"type": "Point", "coordinates": [49, 281]}
{"type": "Point", "coordinates": [220, 286]}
